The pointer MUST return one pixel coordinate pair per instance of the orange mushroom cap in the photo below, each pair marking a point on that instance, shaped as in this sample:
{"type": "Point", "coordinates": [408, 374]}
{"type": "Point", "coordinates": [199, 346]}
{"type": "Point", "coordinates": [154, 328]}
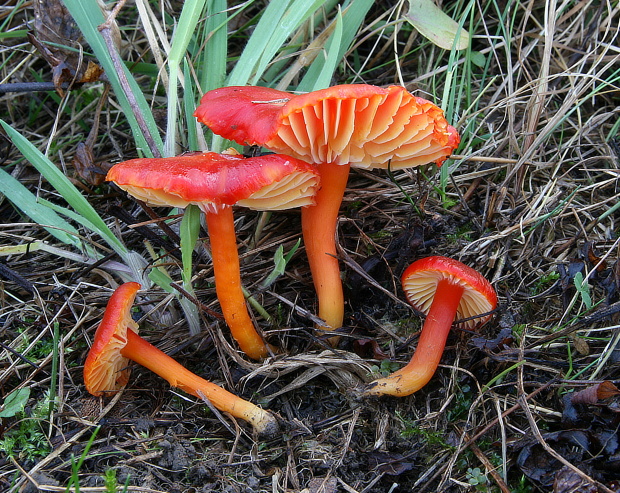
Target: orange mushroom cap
{"type": "Point", "coordinates": [358, 124]}
{"type": "Point", "coordinates": [106, 369]}
{"type": "Point", "coordinates": [420, 282]}
{"type": "Point", "coordinates": [211, 181]}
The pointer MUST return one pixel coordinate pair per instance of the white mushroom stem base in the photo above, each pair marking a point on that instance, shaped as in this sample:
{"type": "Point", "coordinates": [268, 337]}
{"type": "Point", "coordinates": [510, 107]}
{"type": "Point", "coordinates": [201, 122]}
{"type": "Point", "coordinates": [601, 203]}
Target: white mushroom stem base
{"type": "Point", "coordinates": [417, 373]}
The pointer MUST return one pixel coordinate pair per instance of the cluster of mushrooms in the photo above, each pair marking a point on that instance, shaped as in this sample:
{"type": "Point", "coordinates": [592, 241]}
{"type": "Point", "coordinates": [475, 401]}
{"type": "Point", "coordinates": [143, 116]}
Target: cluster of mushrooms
{"type": "Point", "coordinates": [316, 138]}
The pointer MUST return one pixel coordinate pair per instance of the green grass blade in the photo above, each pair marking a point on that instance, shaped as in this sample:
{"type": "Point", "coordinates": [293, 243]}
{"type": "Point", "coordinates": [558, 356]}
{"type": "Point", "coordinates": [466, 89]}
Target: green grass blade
{"type": "Point", "coordinates": [190, 229]}
{"type": "Point", "coordinates": [26, 201]}
{"type": "Point", "coordinates": [352, 17]}
{"type": "Point", "coordinates": [189, 105]}
{"type": "Point", "coordinates": [182, 36]}
{"type": "Point", "coordinates": [62, 185]}
{"type": "Point", "coordinates": [213, 73]}
{"type": "Point", "coordinates": [279, 20]}
{"type": "Point", "coordinates": [328, 65]}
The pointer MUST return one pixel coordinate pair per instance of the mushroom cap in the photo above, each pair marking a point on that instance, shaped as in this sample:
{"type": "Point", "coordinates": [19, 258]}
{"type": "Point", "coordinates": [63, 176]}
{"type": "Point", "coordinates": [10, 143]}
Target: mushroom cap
{"type": "Point", "coordinates": [106, 369]}
{"type": "Point", "coordinates": [211, 181]}
{"type": "Point", "coordinates": [420, 281]}
{"type": "Point", "coordinates": [363, 125]}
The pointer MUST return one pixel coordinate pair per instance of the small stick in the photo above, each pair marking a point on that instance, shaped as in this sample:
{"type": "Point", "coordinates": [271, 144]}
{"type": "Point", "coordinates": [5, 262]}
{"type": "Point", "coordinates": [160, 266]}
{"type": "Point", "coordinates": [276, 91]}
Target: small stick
{"type": "Point", "coordinates": [106, 33]}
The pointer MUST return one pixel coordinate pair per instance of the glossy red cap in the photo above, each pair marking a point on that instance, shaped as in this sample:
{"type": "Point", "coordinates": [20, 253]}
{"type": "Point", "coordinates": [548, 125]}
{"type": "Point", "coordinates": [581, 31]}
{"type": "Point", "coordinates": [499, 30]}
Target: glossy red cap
{"type": "Point", "coordinates": [366, 126]}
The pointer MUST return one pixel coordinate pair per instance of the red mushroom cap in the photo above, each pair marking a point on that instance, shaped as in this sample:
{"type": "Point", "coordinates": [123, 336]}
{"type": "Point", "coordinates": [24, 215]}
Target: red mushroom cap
{"type": "Point", "coordinates": [420, 281]}
{"type": "Point", "coordinates": [106, 369]}
{"type": "Point", "coordinates": [212, 180]}
{"type": "Point", "coordinates": [364, 125]}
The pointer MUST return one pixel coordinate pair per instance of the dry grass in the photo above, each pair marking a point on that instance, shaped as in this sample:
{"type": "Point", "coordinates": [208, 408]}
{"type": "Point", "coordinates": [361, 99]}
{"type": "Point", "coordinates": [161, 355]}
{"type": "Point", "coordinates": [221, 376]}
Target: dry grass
{"type": "Point", "coordinates": [530, 202]}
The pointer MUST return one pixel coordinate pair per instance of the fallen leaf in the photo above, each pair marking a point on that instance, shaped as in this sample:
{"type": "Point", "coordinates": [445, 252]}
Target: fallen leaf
{"type": "Point", "coordinates": [433, 24]}
{"type": "Point", "coordinates": [322, 485]}
{"type": "Point", "coordinates": [85, 166]}
{"type": "Point", "coordinates": [503, 341]}
{"type": "Point", "coordinates": [594, 394]}
{"type": "Point", "coordinates": [58, 40]}
{"type": "Point", "coordinates": [568, 481]}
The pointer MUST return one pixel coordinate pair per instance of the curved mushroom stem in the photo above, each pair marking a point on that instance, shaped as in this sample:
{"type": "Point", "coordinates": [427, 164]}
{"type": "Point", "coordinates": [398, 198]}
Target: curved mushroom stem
{"type": "Point", "coordinates": [147, 355]}
{"type": "Point", "coordinates": [431, 344]}
{"type": "Point", "coordinates": [228, 283]}
{"type": "Point", "coordinates": [319, 229]}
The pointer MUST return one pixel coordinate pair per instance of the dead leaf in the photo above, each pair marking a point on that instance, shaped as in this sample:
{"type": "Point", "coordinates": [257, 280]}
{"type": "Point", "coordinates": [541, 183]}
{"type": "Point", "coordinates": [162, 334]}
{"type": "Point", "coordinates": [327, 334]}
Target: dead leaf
{"type": "Point", "coordinates": [85, 166]}
{"type": "Point", "coordinates": [436, 26]}
{"type": "Point", "coordinates": [58, 40]}
{"type": "Point", "coordinates": [591, 451]}
{"type": "Point", "coordinates": [594, 394]}
{"type": "Point", "coordinates": [568, 481]}
{"type": "Point", "coordinates": [322, 485]}
{"type": "Point", "coordinates": [503, 341]}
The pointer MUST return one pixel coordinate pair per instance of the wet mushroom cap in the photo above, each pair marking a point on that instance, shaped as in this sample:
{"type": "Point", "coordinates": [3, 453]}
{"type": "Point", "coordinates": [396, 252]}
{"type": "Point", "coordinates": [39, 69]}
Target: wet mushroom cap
{"type": "Point", "coordinates": [212, 180]}
{"type": "Point", "coordinates": [366, 126]}
{"type": "Point", "coordinates": [106, 369]}
{"type": "Point", "coordinates": [420, 282]}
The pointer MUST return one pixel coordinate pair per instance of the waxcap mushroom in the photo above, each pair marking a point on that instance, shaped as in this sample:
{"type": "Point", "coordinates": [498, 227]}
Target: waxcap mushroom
{"type": "Point", "coordinates": [357, 124]}
{"type": "Point", "coordinates": [117, 342]}
{"type": "Point", "coordinates": [348, 125]}
{"type": "Point", "coordinates": [215, 182]}
{"type": "Point", "coordinates": [444, 289]}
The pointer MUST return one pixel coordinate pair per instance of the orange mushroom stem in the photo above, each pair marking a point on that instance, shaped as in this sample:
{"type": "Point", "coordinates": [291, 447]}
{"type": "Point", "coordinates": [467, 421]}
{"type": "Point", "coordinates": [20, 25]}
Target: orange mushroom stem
{"type": "Point", "coordinates": [444, 289]}
{"type": "Point", "coordinates": [319, 224]}
{"type": "Point", "coordinates": [117, 341]}
{"type": "Point", "coordinates": [228, 286]}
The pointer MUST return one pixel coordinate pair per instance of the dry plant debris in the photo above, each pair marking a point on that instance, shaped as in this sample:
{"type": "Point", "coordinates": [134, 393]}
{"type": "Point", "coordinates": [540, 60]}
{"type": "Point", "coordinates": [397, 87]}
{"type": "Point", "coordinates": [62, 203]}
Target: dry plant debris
{"type": "Point", "coordinates": [530, 201]}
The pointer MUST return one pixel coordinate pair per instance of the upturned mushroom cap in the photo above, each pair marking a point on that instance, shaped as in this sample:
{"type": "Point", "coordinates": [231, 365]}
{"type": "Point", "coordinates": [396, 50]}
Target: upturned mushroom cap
{"type": "Point", "coordinates": [420, 281]}
{"type": "Point", "coordinates": [105, 370]}
{"type": "Point", "coordinates": [366, 126]}
{"type": "Point", "coordinates": [212, 181]}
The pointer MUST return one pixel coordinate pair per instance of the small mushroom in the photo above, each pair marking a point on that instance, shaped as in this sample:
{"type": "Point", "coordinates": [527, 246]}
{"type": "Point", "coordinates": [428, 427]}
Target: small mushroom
{"type": "Point", "coordinates": [117, 341]}
{"type": "Point", "coordinates": [443, 289]}
{"type": "Point", "coordinates": [353, 125]}
{"type": "Point", "coordinates": [215, 182]}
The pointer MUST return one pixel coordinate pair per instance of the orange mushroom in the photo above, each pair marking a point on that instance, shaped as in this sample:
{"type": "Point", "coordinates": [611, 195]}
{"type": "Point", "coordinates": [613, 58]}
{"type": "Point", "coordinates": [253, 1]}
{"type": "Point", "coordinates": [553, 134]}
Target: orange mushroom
{"type": "Point", "coordinates": [117, 341]}
{"type": "Point", "coordinates": [215, 182]}
{"type": "Point", "coordinates": [443, 289]}
{"type": "Point", "coordinates": [348, 125]}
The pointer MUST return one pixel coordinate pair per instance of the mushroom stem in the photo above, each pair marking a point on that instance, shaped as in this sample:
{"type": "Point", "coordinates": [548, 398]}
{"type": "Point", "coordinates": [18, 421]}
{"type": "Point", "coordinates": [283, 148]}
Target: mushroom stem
{"type": "Point", "coordinates": [228, 283]}
{"type": "Point", "coordinates": [417, 373]}
{"type": "Point", "coordinates": [147, 355]}
{"type": "Point", "coordinates": [319, 224]}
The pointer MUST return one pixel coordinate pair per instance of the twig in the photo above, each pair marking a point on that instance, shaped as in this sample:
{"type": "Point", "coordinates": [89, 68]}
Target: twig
{"type": "Point", "coordinates": [31, 87]}
{"type": "Point", "coordinates": [106, 32]}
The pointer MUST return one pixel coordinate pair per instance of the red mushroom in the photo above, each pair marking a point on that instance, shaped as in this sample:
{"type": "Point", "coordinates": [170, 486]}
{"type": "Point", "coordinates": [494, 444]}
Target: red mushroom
{"type": "Point", "coordinates": [444, 289]}
{"type": "Point", "coordinates": [117, 341]}
{"type": "Point", "coordinates": [349, 125]}
{"type": "Point", "coordinates": [215, 182]}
